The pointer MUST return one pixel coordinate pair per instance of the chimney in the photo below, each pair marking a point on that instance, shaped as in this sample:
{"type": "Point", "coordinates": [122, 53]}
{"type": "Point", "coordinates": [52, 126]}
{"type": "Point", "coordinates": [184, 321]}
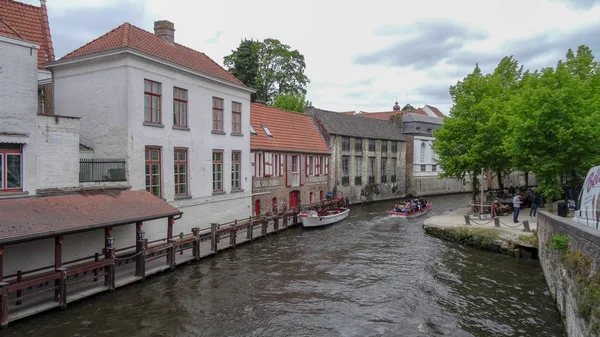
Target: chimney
{"type": "Point", "coordinates": [166, 30]}
{"type": "Point", "coordinates": [396, 119]}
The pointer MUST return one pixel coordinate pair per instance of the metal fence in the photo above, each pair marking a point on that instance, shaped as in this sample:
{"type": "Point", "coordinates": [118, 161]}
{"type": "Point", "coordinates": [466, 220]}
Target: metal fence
{"type": "Point", "coordinates": [98, 170]}
{"type": "Point", "coordinates": [345, 181]}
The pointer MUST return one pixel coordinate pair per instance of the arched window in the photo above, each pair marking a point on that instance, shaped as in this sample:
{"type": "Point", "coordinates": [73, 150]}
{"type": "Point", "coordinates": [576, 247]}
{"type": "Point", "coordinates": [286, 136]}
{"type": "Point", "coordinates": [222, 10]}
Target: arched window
{"type": "Point", "coordinates": [423, 146]}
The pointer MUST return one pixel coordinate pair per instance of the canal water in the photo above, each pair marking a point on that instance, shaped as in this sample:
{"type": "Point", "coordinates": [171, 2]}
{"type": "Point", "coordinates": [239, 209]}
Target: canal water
{"type": "Point", "coordinates": [370, 275]}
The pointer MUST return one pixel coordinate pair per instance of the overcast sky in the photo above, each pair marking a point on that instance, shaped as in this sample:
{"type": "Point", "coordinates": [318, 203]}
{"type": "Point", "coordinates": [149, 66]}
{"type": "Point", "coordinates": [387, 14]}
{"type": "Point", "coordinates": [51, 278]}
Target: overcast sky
{"type": "Point", "coordinates": [361, 55]}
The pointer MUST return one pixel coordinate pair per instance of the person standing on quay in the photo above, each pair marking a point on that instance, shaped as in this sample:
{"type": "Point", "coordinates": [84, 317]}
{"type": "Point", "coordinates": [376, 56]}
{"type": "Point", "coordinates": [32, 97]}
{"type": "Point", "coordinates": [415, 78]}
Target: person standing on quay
{"type": "Point", "coordinates": [535, 201]}
{"type": "Point", "coordinates": [516, 207]}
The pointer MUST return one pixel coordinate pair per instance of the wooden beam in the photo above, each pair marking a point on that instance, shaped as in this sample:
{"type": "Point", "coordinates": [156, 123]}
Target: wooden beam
{"type": "Point", "coordinates": [1, 263]}
{"type": "Point", "coordinates": [170, 228]}
{"type": "Point", "coordinates": [58, 241]}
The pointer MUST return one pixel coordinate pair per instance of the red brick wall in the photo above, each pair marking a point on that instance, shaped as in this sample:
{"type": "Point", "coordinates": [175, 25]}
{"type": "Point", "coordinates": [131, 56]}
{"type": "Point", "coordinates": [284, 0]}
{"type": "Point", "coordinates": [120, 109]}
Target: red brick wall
{"type": "Point", "coordinates": [45, 96]}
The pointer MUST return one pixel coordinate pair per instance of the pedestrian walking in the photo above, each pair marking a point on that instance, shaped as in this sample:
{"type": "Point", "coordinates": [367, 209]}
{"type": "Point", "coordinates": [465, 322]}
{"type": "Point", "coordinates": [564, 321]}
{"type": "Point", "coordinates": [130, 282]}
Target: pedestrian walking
{"type": "Point", "coordinates": [535, 201]}
{"type": "Point", "coordinates": [516, 207]}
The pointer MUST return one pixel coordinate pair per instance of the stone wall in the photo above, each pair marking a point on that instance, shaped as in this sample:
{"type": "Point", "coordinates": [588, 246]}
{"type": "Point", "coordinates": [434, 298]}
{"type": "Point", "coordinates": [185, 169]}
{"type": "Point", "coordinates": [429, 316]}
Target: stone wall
{"type": "Point", "coordinates": [434, 185]}
{"type": "Point", "coordinates": [267, 188]}
{"type": "Point", "coordinates": [560, 281]}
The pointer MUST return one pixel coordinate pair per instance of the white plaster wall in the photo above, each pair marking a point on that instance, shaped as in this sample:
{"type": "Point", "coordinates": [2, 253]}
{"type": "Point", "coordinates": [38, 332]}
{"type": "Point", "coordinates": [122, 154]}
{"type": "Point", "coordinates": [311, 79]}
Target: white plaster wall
{"type": "Point", "coordinates": [96, 92]}
{"type": "Point", "coordinates": [18, 101]}
{"type": "Point", "coordinates": [28, 255]}
{"type": "Point", "coordinates": [58, 154]}
{"type": "Point", "coordinates": [430, 157]}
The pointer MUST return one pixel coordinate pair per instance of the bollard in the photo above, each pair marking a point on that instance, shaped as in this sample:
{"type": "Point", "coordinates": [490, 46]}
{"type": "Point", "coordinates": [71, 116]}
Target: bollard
{"type": "Point", "coordinates": [196, 249]}
{"type": "Point", "coordinates": [497, 222]}
{"type": "Point", "coordinates": [250, 233]}
{"type": "Point", "coordinates": [467, 220]}
{"type": "Point", "coordinates": [526, 226]}
{"type": "Point", "coordinates": [233, 234]}
{"type": "Point", "coordinates": [63, 287]}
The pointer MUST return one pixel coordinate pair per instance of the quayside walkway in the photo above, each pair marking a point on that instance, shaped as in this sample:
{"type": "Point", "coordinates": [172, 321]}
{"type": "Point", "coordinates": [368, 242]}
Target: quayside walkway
{"type": "Point", "coordinates": [28, 292]}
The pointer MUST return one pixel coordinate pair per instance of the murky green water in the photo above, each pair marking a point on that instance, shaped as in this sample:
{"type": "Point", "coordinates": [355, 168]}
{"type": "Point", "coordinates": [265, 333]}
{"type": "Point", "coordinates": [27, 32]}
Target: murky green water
{"type": "Point", "coordinates": [370, 275]}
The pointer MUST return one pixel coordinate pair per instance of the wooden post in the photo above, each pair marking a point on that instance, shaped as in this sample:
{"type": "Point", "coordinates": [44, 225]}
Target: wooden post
{"type": "Point", "coordinates": [140, 261]}
{"type": "Point", "coordinates": [285, 220]}
{"type": "Point", "coordinates": [233, 234]}
{"type": "Point", "coordinates": [63, 288]}
{"type": "Point", "coordinates": [467, 220]}
{"type": "Point", "coordinates": [295, 218]}
{"type": "Point", "coordinates": [58, 241]}
{"type": "Point", "coordinates": [250, 230]}
{"type": "Point", "coordinates": [196, 249]}
{"type": "Point", "coordinates": [96, 259]}
{"type": "Point", "coordinates": [497, 222]}
{"type": "Point", "coordinates": [20, 291]}
{"type": "Point", "coordinates": [4, 313]}
{"type": "Point", "coordinates": [213, 237]}
{"type": "Point", "coordinates": [264, 227]}
{"type": "Point", "coordinates": [109, 278]}
{"type": "Point", "coordinates": [1, 263]}
{"type": "Point", "coordinates": [276, 224]}
{"type": "Point", "coordinates": [171, 249]}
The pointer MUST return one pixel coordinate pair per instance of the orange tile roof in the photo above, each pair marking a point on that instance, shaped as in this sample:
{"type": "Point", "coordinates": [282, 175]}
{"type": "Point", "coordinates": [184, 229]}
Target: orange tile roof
{"type": "Point", "coordinates": [291, 131]}
{"type": "Point", "coordinates": [130, 36]}
{"type": "Point", "coordinates": [29, 23]}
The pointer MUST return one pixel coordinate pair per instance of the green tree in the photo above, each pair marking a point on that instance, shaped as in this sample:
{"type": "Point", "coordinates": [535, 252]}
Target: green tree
{"type": "Point", "coordinates": [291, 102]}
{"type": "Point", "coordinates": [408, 107]}
{"type": "Point", "coordinates": [270, 67]}
{"type": "Point", "coordinates": [554, 125]}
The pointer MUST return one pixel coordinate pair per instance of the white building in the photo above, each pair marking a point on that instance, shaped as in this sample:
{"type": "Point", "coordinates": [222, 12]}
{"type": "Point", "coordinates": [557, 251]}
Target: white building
{"type": "Point", "coordinates": [178, 119]}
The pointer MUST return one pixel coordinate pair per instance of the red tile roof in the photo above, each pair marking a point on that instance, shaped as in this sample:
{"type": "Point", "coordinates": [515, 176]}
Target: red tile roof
{"type": "Point", "coordinates": [37, 218]}
{"type": "Point", "coordinates": [29, 23]}
{"type": "Point", "coordinates": [291, 131]}
{"type": "Point", "coordinates": [130, 36]}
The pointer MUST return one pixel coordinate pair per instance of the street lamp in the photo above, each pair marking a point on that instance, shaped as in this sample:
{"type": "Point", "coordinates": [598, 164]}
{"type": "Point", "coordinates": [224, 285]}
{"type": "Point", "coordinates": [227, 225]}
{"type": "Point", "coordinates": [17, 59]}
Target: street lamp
{"type": "Point", "coordinates": [109, 241]}
{"type": "Point", "coordinates": [141, 234]}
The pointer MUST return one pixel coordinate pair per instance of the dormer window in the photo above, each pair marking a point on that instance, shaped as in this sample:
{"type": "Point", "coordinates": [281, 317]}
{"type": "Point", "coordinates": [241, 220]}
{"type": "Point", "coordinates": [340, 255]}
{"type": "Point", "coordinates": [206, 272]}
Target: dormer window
{"type": "Point", "coordinates": [267, 131]}
{"type": "Point", "coordinates": [252, 131]}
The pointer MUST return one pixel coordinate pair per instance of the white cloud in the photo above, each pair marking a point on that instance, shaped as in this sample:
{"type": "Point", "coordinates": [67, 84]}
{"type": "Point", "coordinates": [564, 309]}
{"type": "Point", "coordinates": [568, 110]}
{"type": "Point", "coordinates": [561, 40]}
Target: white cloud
{"type": "Point", "coordinates": [332, 34]}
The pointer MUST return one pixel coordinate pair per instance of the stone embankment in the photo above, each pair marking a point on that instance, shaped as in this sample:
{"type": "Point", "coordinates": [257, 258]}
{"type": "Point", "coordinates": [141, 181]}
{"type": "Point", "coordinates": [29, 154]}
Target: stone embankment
{"type": "Point", "coordinates": [510, 239]}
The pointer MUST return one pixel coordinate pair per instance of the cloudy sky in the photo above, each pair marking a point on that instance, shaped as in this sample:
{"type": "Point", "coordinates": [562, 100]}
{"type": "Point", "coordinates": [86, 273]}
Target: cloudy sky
{"type": "Point", "coordinates": [361, 55]}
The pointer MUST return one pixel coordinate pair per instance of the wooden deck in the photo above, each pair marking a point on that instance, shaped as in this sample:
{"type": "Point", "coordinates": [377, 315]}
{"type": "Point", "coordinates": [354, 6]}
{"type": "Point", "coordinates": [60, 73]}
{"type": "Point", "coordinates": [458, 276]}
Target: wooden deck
{"type": "Point", "coordinates": [42, 290]}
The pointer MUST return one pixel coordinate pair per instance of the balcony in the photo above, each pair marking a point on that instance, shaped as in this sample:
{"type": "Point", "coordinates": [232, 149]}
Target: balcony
{"type": "Point", "coordinates": [345, 181]}
{"type": "Point", "coordinates": [101, 170]}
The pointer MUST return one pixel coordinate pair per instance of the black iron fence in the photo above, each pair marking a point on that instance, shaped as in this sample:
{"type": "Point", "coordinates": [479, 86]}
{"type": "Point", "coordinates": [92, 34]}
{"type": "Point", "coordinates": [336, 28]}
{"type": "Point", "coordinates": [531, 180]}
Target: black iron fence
{"type": "Point", "coordinates": [98, 170]}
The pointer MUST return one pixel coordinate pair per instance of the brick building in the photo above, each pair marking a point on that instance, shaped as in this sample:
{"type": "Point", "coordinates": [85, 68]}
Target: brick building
{"type": "Point", "coordinates": [368, 161]}
{"type": "Point", "coordinates": [289, 159]}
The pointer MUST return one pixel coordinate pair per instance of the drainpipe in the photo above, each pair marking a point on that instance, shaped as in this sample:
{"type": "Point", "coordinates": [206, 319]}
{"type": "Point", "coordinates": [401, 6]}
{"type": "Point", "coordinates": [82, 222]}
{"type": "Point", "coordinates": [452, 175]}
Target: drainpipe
{"type": "Point", "coordinates": [53, 90]}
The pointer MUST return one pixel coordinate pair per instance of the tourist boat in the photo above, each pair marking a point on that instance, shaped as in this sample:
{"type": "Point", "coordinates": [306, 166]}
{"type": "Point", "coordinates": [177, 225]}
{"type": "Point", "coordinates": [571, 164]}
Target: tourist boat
{"type": "Point", "coordinates": [412, 214]}
{"type": "Point", "coordinates": [323, 218]}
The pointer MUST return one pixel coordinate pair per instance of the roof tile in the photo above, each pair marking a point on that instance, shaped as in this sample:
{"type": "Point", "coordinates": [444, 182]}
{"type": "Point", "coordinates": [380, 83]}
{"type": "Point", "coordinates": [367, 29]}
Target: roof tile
{"type": "Point", "coordinates": [130, 36]}
{"type": "Point", "coordinates": [291, 131]}
{"type": "Point", "coordinates": [29, 23]}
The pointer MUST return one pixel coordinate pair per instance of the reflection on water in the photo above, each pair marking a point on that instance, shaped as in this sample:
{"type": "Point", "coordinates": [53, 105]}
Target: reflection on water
{"type": "Point", "coordinates": [371, 275]}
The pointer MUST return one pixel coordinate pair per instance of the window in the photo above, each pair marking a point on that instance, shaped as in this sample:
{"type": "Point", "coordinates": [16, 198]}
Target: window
{"type": "Point", "coordinates": [423, 168]}
{"type": "Point", "coordinates": [358, 144]}
{"type": "Point", "coordinates": [181, 172]}
{"type": "Point", "coordinates": [180, 107]}
{"type": "Point", "coordinates": [310, 163]}
{"type": "Point", "coordinates": [433, 168]}
{"type": "Point", "coordinates": [217, 114]}
{"type": "Point", "coordinates": [295, 164]}
{"type": "Point", "coordinates": [394, 146]}
{"type": "Point", "coordinates": [236, 117]}
{"type": "Point", "coordinates": [345, 166]}
{"type": "Point", "coordinates": [267, 131]}
{"type": "Point", "coordinates": [217, 168]}
{"type": "Point", "coordinates": [153, 171]}
{"type": "Point", "coordinates": [268, 163]}
{"type": "Point", "coordinates": [372, 145]}
{"type": "Point", "coordinates": [152, 98]}
{"type": "Point", "coordinates": [384, 146]}
{"type": "Point", "coordinates": [371, 170]}
{"type": "Point", "coordinates": [383, 169]}
{"type": "Point", "coordinates": [11, 179]}
{"type": "Point", "coordinates": [393, 169]}
{"type": "Point", "coordinates": [358, 166]}
{"type": "Point", "coordinates": [310, 198]}
{"type": "Point", "coordinates": [423, 146]}
{"type": "Point", "coordinates": [326, 166]}
{"type": "Point", "coordinates": [253, 163]}
{"type": "Point", "coordinates": [345, 144]}
{"type": "Point", "coordinates": [252, 131]}
{"type": "Point", "coordinates": [321, 166]}
{"type": "Point", "coordinates": [276, 165]}
{"type": "Point", "coordinates": [260, 168]}
{"type": "Point", "coordinates": [236, 170]}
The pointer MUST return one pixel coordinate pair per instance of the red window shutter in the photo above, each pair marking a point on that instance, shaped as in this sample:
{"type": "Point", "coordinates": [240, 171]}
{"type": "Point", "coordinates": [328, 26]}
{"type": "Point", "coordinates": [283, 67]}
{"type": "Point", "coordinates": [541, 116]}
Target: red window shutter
{"type": "Point", "coordinates": [288, 170]}
{"type": "Point", "coordinates": [253, 163]}
{"type": "Point", "coordinates": [302, 167]}
{"type": "Point", "coordinates": [326, 165]}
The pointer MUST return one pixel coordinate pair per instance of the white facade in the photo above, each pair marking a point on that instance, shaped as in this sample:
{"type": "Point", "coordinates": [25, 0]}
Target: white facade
{"type": "Point", "coordinates": [108, 94]}
{"type": "Point", "coordinates": [424, 158]}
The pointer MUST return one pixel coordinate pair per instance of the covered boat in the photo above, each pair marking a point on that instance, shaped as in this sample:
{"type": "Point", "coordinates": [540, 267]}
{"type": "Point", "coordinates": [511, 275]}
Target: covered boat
{"type": "Point", "coordinates": [323, 218]}
{"type": "Point", "coordinates": [410, 215]}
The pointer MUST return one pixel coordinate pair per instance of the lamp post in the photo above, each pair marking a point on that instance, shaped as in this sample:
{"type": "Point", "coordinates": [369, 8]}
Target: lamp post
{"type": "Point", "coordinates": [109, 242]}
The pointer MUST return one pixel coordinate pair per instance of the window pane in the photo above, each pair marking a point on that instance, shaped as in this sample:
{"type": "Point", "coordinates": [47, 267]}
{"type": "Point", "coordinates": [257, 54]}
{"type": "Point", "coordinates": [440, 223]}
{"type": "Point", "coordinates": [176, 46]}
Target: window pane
{"type": "Point", "coordinates": [146, 85]}
{"type": "Point", "coordinates": [156, 88]}
{"type": "Point", "coordinates": [175, 116]}
{"type": "Point", "coordinates": [13, 171]}
{"type": "Point", "coordinates": [182, 171]}
{"type": "Point", "coordinates": [1, 171]}
{"type": "Point", "coordinates": [154, 154]}
{"type": "Point", "coordinates": [175, 92]}
{"type": "Point", "coordinates": [184, 94]}
{"type": "Point", "coordinates": [147, 156]}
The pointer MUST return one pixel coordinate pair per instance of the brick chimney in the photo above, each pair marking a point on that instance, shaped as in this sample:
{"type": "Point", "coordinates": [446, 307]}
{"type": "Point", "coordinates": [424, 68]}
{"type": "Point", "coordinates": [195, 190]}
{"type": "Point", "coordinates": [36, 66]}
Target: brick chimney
{"type": "Point", "coordinates": [166, 30]}
{"type": "Point", "coordinates": [396, 119]}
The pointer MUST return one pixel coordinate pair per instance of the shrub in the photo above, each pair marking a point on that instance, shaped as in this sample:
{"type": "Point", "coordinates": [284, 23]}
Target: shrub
{"type": "Point", "coordinates": [559, 242]}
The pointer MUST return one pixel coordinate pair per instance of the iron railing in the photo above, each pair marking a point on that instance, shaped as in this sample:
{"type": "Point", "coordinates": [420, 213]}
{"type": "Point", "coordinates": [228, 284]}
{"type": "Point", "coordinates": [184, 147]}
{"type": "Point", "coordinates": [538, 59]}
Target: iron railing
{"type": "Point", "coordinates": [357, 181]}
{"type": "Point", "coordinates": [345, 181]}
{"type": "Point", "coordinates": [371, 179]}
{"type": "Point", "coordinates": [384, 179]}
{"type": "Point", "coordinates": [99, 170]}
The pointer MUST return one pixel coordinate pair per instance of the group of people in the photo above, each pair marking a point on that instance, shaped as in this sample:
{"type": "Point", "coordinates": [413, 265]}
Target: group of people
{"type": "Point", "coordinates": [534, 199]}
{"type": "Point", "coordinates": [410, 206]}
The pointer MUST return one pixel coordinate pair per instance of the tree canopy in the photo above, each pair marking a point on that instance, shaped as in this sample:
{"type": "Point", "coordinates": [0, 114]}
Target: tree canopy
{"type": "Point", "coordinates": [408, 107]}
{"type": "Point", "coordinates": [291, 102]}
{"type": "Point", "coordinates": [270, 67]}
{"type": "Point", "coordinates": [544, 122]}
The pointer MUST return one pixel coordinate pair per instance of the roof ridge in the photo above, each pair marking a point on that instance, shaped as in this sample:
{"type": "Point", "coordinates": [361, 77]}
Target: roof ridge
{"type": "Point", "coordinates": [94, 40]}
{"type": "Point", "coordinates": [19, 3]}
{"type": "Point", "coordinates": [125, 40]}
{"type": "Point", "coordinates": [282, 110]}
{"type": "Point", "coordinates": [47, 36]}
